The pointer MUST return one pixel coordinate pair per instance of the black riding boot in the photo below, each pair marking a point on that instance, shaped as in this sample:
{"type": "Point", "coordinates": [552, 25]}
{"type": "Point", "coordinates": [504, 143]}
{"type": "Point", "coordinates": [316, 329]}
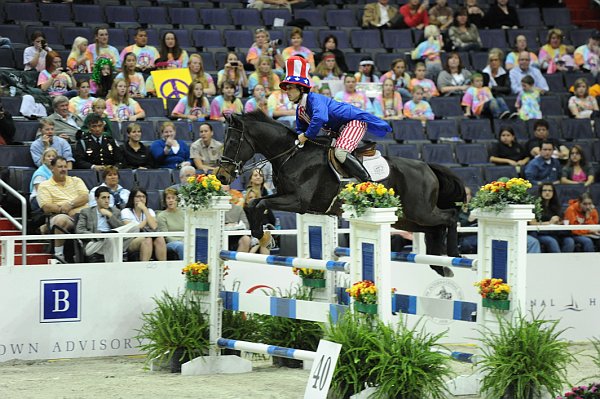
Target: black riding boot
{"type": "Point", "coordinates": [355, 168]}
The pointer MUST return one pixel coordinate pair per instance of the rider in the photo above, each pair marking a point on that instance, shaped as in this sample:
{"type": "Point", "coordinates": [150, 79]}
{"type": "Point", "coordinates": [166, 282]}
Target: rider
{"type": "Point", "coordinates": [316, 111]}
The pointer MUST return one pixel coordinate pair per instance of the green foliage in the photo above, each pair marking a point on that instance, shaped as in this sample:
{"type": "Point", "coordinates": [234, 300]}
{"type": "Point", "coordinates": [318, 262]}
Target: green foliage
{"type": "Point", "coordinates": [176, 322]}
{"type": "Point", "coordinates": [369, 195]}
{"type": "Point", "coordinates": [497, 195]}
{"type": "Point", "coordinates": [523, 357]}
{"type": "Point", "coordinates": [199, 190]}
{"type": "Point", "coordinates": [240, 325]}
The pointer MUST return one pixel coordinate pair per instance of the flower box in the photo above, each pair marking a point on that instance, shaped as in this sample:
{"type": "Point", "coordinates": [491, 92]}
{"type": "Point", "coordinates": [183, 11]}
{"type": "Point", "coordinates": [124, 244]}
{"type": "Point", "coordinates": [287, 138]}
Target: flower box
{"type": "Point", "coordinates": [498, 304]}
{"type": "Point", "coordinates": [368, 308]}
{"type": "Point", "coordinates": [197, 286]}
{"type": "Point", "coordinates": [314, 282]}
{"type": "Point", "coordinates": [386, 215]}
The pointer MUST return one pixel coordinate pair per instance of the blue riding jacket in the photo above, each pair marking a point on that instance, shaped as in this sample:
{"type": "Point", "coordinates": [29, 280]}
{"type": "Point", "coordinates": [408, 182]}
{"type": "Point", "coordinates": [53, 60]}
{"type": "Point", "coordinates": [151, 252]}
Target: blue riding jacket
{"type": "Point", "coordinates": [327, 113]}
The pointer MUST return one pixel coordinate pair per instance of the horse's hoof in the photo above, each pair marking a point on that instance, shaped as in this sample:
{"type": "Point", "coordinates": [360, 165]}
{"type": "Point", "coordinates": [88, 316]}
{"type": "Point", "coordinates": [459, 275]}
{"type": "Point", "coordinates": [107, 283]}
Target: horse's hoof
{"type": "Point", "coordinates": [443, 271]}
{"type": "Point", "coordinates": [265, 239]}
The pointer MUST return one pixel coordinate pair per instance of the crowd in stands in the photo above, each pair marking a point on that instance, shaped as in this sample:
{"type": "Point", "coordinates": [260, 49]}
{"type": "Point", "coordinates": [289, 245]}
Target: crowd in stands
{"type": "Point", "coordinates": [453, 74]}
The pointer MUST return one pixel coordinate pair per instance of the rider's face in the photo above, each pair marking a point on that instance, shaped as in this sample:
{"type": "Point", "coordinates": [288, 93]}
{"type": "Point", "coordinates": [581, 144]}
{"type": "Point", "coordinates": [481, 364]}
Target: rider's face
{"type": "Point", "coordinates": [293, 93]}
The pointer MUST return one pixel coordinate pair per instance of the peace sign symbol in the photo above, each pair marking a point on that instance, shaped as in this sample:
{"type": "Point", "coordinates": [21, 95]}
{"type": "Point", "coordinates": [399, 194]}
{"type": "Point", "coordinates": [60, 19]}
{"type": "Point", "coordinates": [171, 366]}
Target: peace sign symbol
{"type": "Point", "coordinates": [173, 88]}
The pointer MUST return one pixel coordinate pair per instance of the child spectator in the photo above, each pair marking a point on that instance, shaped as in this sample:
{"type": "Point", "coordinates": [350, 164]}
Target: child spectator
{"type": "Point", "coordinates": [328, 68]}
{"type": "Point", "coordinates": [400, 78]}
{"type": "Point", "coordinates": [281, 108]}
{"type": "Point", "coordinates": [507, 151]}
{"type": "Point", "coordinates": [429, 88]}
{"type": "Point", "coordinates": [350, 96]}
{"type": "Point", "coordinates": [577, 170]}
{"type": "Point", "coordinates": [196, 67]}
{"type": "Point", "coordinates": [145, 55]}
{"type": "Point", "coordinates": [388, 104]}
{"type": "Point", "coordinates": [226, 103]}
{"type": "Point", "coordinates": [528, 100]}
{"type": "Point", "coordinates": [134, 80]}
{"type": "Point", "coordinates": [325, 90]}
{"type": "Point", "coordinates": [417, 108]}
{"type": "Point", "coordinates": [258, 101]}
{"type": "Point", "coordinates": [366, 71]}
{"type": "Point", "coordinates": [77, 61]}
{"type": "Point", "coordinates": [296, 48]}
{"type": "Point", "coordinates": [234, 71]}
{"type": "Point", "coordinates": [119, 106]}
{"type": "Point", "coordinates": [429, 51]}
{"type": "Point", "coordinates": [582, 211]}
{"type": "Point", "coordinates": [171, 52]}
{"type": "Point", "coordinates": [264, 75]}
{"type": "Point", "coordinates": [479, 101]}
{"type": "Point", "coordinates": [193, 107]}
{"type": "Point", "coordinates": [102, 77]}
{"type": "Point", "coordinates": [99, 108]}
{"type": "Point", "coordinates": [83, 103]}
{"type": "Point", "coordinates": [581, 104]}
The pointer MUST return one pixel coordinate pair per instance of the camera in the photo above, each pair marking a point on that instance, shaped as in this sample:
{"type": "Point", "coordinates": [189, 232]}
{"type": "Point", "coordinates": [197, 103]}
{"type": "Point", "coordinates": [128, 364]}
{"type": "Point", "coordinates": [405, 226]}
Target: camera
{"type": "Point", "coordinates": [234, 63]}
{"type": "Point", "coordinates": [275, 42]}
{"type": "Point", "coordinates": [44, 44]}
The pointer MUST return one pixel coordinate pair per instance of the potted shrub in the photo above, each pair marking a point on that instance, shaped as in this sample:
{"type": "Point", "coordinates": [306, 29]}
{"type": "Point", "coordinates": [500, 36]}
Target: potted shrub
{"type": "Point", "coordinates": [196, 276]}
{"type": "Point", "coordinates": [175, 331]}
{"type": "Point", "coordinates": [365, 296]}
{"type": "Point", "coordinates": [311, 277]}
{"type": "Point", "coordinates": [494, 293]}
{"type": "Point", "coordinates": [200, 191]}
{"type": "Point", "coordinates": [524, 358]}
{"type": "Point", "coordinates": [239, 325]}
{"type": "Point", "coordinates": [359, 199]}
{"type": "Point", "coordinates": [501, 194]}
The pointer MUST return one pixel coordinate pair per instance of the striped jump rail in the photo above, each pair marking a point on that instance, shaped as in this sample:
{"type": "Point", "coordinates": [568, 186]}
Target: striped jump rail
{"type": "Point", "coordinates": [288, 261]}
{"type": "Point", "coordinates": [422, 259]}
{"type": "Point", "coordinates": [264, 349]}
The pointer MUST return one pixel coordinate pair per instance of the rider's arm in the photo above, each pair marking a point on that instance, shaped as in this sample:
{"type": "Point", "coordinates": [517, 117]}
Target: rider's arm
{"type": "Point", "coordinates": [320, 116]}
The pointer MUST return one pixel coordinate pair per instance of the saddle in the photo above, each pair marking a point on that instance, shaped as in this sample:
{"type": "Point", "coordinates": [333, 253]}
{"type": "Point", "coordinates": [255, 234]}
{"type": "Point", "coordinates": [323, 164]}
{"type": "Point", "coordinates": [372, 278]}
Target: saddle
{"type": "Point", "coordinates": [368, 155]}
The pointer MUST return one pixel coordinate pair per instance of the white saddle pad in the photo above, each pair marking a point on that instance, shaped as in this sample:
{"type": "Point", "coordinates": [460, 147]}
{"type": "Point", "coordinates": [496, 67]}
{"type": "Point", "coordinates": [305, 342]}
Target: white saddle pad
{"type": "Point", "coordinates": [377, 166]}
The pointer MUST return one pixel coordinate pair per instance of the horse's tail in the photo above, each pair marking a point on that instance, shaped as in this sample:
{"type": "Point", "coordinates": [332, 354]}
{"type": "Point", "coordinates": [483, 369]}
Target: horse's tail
{"type": "Point", "coordinates": [452, 189]}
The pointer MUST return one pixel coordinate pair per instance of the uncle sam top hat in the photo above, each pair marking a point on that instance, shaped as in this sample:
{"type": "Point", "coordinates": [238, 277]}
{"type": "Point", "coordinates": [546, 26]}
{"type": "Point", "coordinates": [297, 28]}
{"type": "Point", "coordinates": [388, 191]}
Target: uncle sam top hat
{"type": "Point", "coordinates": [296, 72]}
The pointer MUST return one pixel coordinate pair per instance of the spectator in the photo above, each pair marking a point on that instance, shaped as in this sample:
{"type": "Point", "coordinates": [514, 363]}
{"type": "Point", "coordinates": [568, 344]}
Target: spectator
{"type": "Point", "coordinates": [77, 61]}
{"type": "Point", "coordinates": [441, 15]}
{"type": "Point", "coordinates": [414, 15]}
{"type": "Point", "coordinates": [66, 124]}
{"type": "Point", "coordinates": [501, 15]}
{"type": "Point", "coordinates": [7, 126]}
{"type": "Point", "coordinates": [454, 79]}
{"type": "Point", "coordinates": [172, 219]}
{"type": "Point", "coordinates": [429, 51]}
{"type": "Point", "coordinates": [171, 52]}
{"type": "Point", "coordinates": [226, 103]}
{"type": "Point", "coordinates": [103, 218]}
{"type": "Point", "coordinates": [260, 4]}
{"type": "Point", "coordinates": [160, 65]}
{"type": "Point", "coordinates": [330, 44]}
{"type": "Point", "coordinates": [82, 104]}
{"type": "Point", "coordinates": [587, 56]}
{"type": "Point", "coordinates": [566, 63]}
{"type": "Point", "coordinates": [427, 85]}
{"type": "Point", "coordinates": [184, 173]}
{"type": "Point", "coordinates": [350, 96]}
{"type": "Point", "coordinates": [194, 106]}
{"type": "Point", "coordinates": [101, 49]}
{"type": "Point", "coordinates": [235, 219]}
{"type": "Point", "coordinates": [475, 13]}
{"type": "Point", "coordinates": [145, 55]}
{"type": "Point", "coordinates": [34, 56]}
{"type": "Point", "coordinates": [328, 68]}
{"type": "Point", "coordinates": [553, 50]}
{"type": "Point", "coordinates": [581, 104]}
{"type": "Point", "coordinates": [136, 211]}
{"type": "Point", "coordinates": [102, 77]}
{"type": "Point", "coordinates": [135, 154]}
{"type": "Point", "coordinates": [480, 101]}
{"type": "Point", "coordinates": [53, 79]}
{"type": "Point", "coordinates": [119, 106]}
{"type": "Point", "coordinates": [467, 241]}
{"type": "Point", "coordinates": [206, 151]}
{"type": "Point", "coordinates": [417, 108]}
{"type": "Point", "coordinates": [268, 218]}
{"type": "Point", "coordinates": [388, 104]}
{"type": "Point", "coordinates": [257, 101]}
{"type": "Point", "coordinates": [379, 15]}
{"type": "Point", "coordinates": [577, 170]}
{"type": "Point", "coordinates": [582, 211]}
{"type": "Point", "coordinates": [366, 71]}
{"type": "Point", "coordinates": [494, 76]}
{"type": "Point", "coordinates": [234, 71]}
{"type": "Point", "coordinates": [168, 152]}
{"type": "Point", "coordinates": [296, 48]}
{"type": "Point", "coordinates": [528, 100]}
{"type": "Point", "coordinates": [541, 132]}
{"type": "Point", "coordinates": [463, 34]}
{"type": "Point", "coordinates": [94, 151]}
{"type": "Point", "coordinates": [62, 197]}
{"type": "Point", "coordinates": [325, 90]}
{"type": "Point", "coordinates": [544, 168]}
{"type": "Point", "coordinates": [264, 75]}
{"type": "Point", "coordinates": [41, 174]}
{"type": "Point", "coordinates": [518, 73]}
{"type": "Point", "coordinates": [508, 151]}
{"type": "Point", "coordinates": [281, 108]}
{"type": "Point", "coordinates": [262, 46]}
{"type": "Point", "coordinates": [257, 183]}
{"type": "Point", "coordinates": [47, 140]}
{"type": "Point", "coordinates": [99, 108]}
{"type": "Point", "coordinates": [134, 80]}
{"type": "Point", "coordinates": [552, 215]}
{"type": "Point", "coordinates": [118, 194]}
{"type": "Point", "coordinates": [519, 46]}
{"type": "Point", "coordinates": [400, 78]}
{"type": "Point", "coordinates": [196, 68]}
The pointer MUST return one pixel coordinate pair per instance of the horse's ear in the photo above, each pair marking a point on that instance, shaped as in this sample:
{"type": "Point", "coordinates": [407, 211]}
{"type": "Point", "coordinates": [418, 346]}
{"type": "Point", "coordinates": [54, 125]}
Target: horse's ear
{"type": "Point", "coordinates": [229, 118]}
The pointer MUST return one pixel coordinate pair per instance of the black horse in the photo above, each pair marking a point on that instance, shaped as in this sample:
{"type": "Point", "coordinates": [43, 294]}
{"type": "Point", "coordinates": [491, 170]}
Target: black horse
{"type": "Point", "coordinates": [431, 194]}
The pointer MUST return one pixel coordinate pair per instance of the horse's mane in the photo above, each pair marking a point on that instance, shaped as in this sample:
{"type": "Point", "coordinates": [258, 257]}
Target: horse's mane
{"type": "Point", "coordinates": [259, 116]}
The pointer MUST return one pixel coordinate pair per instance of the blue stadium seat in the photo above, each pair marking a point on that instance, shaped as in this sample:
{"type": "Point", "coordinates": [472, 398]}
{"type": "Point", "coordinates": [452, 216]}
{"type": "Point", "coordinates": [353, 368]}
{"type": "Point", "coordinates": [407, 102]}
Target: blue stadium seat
{"type": "Point", "coordinates": [89, 177]}
{"type": "Point", "coordinates": [89, 13]}
{"type": "Point", "coordinates": [555, 17]}
{"type": "Point", "coordinates": [55, 12]}
{"type": "Point", "coordinates": [246, 16]}
{"type": "Point", "coordinates": [476, 129]}
{"type": "Point", "coordinates": [446, 106]}
{"type": "Point", "coordinates": [25, 130]}
{"type": "Point", "coordinates": [127, 179]}
{"type": "Point", "coordinates": [409, 151]}
{"type": "Point", "coordinates": [16, 33]}
{"type": "Point", "coordinates": [18, 12]}
{"type": "Point", "coordinates": [407, 130]}
{"type": "Point", "coordinates": [154, 107]}
{"type": "Point", "coordinates": [15, 155]}
{"type": "Point", "coordinates": [309, 39]}
{"type": "Point", "coordinates": [218, 130]}
{"type": "Point", "coordinates": [353, 60]}
{"type": "Point", "coordinates": [184, 16]}
{"type": "Point", "coordinates": [341, 18]}
{"type": "Point", "coordinates": [438, 153]}
{"type": "Point", "coordinates": [471, 154]}
{"type": "Point", "coordinates": [556, 82]}
{"type": "Point", "coordinates": [153, 179]}
{"type": "Point", "coordinates": [383, 61]}
{"type": "Point", "coordinates": [148, 131]}
{"type": "Point", "coordinates": [518, 126]}
{"type": "Point", "coordinates": [183, 36]}
{"type": "Point", "coordinates": [479, 60]}
{"type": "Point", "coordinates": [69, 33]}
{"type": "Point", "coordinates": [551, 105]}
{"type": "Point", "coordinates": [470, 175]}
{"type": "Point", "coordinates": [153, 15]}
{"type": "Point", "coordinates": [269, 15]}
{"type": "Point", "coordinates": [587, 146]}
{"type": "Point", "coordinates": [568, 192]}
{"type": "Point", "coordinates": [7, 58]}
{"type": "Point", "coordinates": [530, 35]}
{"type": "Point", "coordinates": [577, 129]}
{"type": "Point", "coordinates": [341, 36]}
{"type": "Point", "coordinates": [154, 199]}
{"type": "Point", "coordinates": [314, 16]}
{"type": "Point", "coordinates": [493, 38]}
{"type": "Point", "coordinates": [395, 39]}
{"type": "Point", "coordinates": [580, 36]}
{"type": "Point", "coordinates": [530, 17]}
{"type": "Point", "coordinates": [116, 14]}
{"type": "Point", "coordinates": [207, 38]}
{"type": "Point", "coordinates": [215, 16]}
{"type": "Point", "coordinates": [52, 34]}
{"type": "Point", "coordinates": [570, 79]}
{"type": "Point", "coordinates": [119, 37]}
{"type": "Point", "coordinates": [493, 173]}
{"type": "Point", "coordinates": [441, 128]}
{"type": "Point", "coordinates": [238, 38]}
{"type": "Point", "coordinates": [19, 178]}
{"type": "Point", "coordinates": [366, 39]}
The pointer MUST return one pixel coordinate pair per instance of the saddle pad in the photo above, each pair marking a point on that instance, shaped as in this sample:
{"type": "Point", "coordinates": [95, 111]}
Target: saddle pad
{"type": "Point", "coordinates": [377, 166]}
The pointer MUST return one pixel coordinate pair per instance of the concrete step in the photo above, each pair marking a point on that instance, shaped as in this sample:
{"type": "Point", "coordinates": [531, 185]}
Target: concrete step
{"type": "Point", "coordinates": [32, 248]}
{"type": "Point", "coordinates": [5, 224]}
{"type": "Point", "coordinates": [34, 259]}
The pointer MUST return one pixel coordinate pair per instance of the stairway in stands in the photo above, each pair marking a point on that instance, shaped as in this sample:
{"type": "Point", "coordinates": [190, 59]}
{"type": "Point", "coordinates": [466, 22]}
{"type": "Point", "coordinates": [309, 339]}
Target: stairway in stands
{"type": "Point", "coordinates": [35, 250]}
{"type": "Point", "coordinates": [584, 14]}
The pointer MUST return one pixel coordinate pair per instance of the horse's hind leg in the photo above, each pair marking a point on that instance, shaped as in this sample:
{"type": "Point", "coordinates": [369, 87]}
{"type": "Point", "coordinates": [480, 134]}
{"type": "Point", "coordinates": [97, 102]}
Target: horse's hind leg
{"type": "Point", "coordinates": [435, 243]}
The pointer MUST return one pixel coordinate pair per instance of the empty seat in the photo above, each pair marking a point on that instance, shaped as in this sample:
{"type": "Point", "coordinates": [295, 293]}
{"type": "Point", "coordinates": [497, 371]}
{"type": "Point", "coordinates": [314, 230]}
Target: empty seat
{"type": "Point", "coordinates": [410, 151]}
{"type": "Point", "coordinates": [309, 39]}
{"type": "Point", "coordinates": [154, 107]}
{"type": "Point", "coordinates": [408, 129]}
{"type": "Point", "coordinates": [353, 60]}
{"type": "Point", "coordinates": [154, 199]}
{"type": "Point", "coordinates": [314, 16]}
{"type": "Point", "coordinates": [269, 15]}
{"type": "Point", "coordinates": [184, 16]}
{"type": "Point", "coordinates": [476, 129]}
{"type": "Point", "coordinates": [208, 61]}
{"type": "Point", "coordinates": [441, 128]}
{"type": "Point", "coordinates": [18, 12]}
{"type": "Point", "coordinates": [568, 192]}
{"type": "Point", "coordinates": [493, 173]}
{"type": "Point", "coordinates": [15, 155]}
{"type": "Point", "coordinates": [246, 16]}
{"type": "Point", "coordinates": [7, 58]}
{"type": "Point", "coordinates": [215, 16]}
{"type": "Point", "coordinates": [470, 175]}
{"type": "Point", "coordinates": [493, 38]}
{"type": "Point", "coordinates": [446, 106]}
{"type": "Point", "coordinates": [205, 38]}
{"type": "Point", "coordinates": [556, 16]}
{"type": "Point", "coordinates": [340, 35]}
{"type": "Point", "coordinates": [69, 33]}
{"type": "Point", "coordinates": [55, 12]}
{"type": "Point", "coordinates": [16, 33]}
{"type": "Point", "coordinates": [551, 105]}
{"type": "Point", "coordinates": [116, 14]}
{"type": "Point", "coordinates": [119, 37]}
{"type": "Point", "coordinates": [153, 179]}
{"type": "Point", "coordinates": [341, 18]}
{"type": "Point", "coordinates": [530, 17]}
{"type": "Point", "coordinates": [366, 39]}
{"type": "Point", "coordinates": [479, 60]}
{"type": "Point", "coordinates": [577, 129]}
{"type": "Point", "coordinates": [88, 13]}
{"type": "Point", "coordinates": [26, 130]}
{"type": "Point", "coordinates": [19, 178]}
{"type": "Point", "coordinates": [153, 15]}
{"type": "Point", "coordinates": [556, 82]}
{"type": "Point", "coordinates": [238, 38]}
{"type": "Point", "coordinates": [394, 39]}
{"type": "Point", "coordinates": [89, 177]}
{"type": "Point", "coordinates": [127, 178]}
{"type": "Point", "coordinates": [471, 154]}
{"type": "Point", "coordinates": [438, 153]}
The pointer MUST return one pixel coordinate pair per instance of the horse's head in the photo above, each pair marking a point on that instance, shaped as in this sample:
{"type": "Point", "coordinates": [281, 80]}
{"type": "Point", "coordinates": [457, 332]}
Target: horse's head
{"type": "Point", "coordinates": [237, 149]}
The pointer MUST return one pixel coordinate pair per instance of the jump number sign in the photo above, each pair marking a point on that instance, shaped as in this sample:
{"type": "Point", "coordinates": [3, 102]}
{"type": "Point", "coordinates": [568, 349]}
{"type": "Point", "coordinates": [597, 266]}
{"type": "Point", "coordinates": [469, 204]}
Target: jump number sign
{"type": "Point", "coordinates": [322, 370]}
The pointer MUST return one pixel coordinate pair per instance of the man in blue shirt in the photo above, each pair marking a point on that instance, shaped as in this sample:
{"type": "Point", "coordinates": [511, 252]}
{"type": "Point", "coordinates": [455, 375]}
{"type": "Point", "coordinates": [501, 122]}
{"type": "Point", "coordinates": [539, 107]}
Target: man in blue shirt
{"type": "Point", "coordinates": [544, 168]}
{"type": "Point", "coordinates": [48, 139]}
{"type": "Point", "coordinates": [518, 73]}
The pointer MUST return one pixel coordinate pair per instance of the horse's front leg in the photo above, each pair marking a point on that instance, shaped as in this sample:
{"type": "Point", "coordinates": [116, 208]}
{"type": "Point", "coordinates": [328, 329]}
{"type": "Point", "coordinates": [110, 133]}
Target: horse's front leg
{"type": "Point", "coordinates": [276, 202]}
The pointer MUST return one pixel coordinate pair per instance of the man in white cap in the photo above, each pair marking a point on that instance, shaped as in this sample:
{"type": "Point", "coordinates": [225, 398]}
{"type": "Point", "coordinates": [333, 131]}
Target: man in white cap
{"type": "Point", "coordinates": [316, 112]}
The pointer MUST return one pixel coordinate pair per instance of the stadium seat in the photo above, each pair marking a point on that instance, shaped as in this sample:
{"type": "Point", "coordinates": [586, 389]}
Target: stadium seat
{"type": "Point", "coordinates": [207, 38]}
{"type": "Point", "coordinates": [471, 154]}
{"type": "Point", "coordinates": [345, 18]}
{"type": "Point", "coordinates": [383, 61]}
{"type": "Point", "coordinates": [218, 130]}
{"type": "Point", "coordinates": [407, 130]}
{"type": "Point", "coordinates": [154, 107]}
{"type": "Point", "coordinates": [314, 16]}
{"type": "Point", "coordinates": [394, 39]}
{"type": "Point", "coordinates": [269, 15]}
{"type": "Point", "coordinates": [476, 129]}
{"type": "Point", "coordinates": [55, 12]}
{"type": "Point", "coordinates": [127, 178]}
{"type": "Point", "coordinates": [215, 16]}
{"type": "Point", "coordinates": [89, 177]}
{"type": "Point", "coordinates": [16, 33]}
{"type": "Point", "coordinates": [15, 155]}
{"type": "Point", "coordinates": [530, 35]}
{"type": "Point", "coordinates": [154, 199]}
{"type": "Point", "coordinates": [570, 79]}
{"type": "Point", "coordinates": [341, 36]}
{"type": "Point", "coordinates": [51, 32]}
{"type": "Point", "coordinates": [595, 191]}
{"type": "Point", "coordinates": [238, 38]}
{"type": "Point", "coordinates": [587, 146]}
{"type": "Point", "coordinates": [89, 13]}
{"type": "Point", "coordinates": [556, 82]}
{"type": "Point", "coordinates": [19, 12]}
{"type": "Point", "coordinates": [438, 153]}
{"type": "Point", "coordinates": [365, 39]}
{"type": "Point", "coordinates": [577, 129]}
{"type": "Point", "coordinates": [441, 128]}
{"type": "Point", "coordinates": [597, 129]}
{"type": "Point", "coordinates": [26, 130]}
{"type": "Point", "coordinates": [115, 14]}
{"type": "Point", "coordinates": [208, 61]}
{"type": "Point", "coordinates": [183, 36]}
{"type": "Point", "coordinates": [148, 131]}
{"type": "Point", "coordinates": [153, 15]}
{"type": "Point", "coordinates": [246, 16]}
{"type": "Point", "coordinates": [568, 192]}
{"type": "Point", "coordinates": [184, 16]}
{"type": "Point", "coordinates": [185, 130]}
{"type": "Point", "coordinates": [530, 17]}
{"type": "Point", "coordinates": [551, 105]}
{"type": "Point", "coordinates": [7, 58]}
{"type": "Point", "coordinates": [493, 38]}
{"type": "Point", "coordinates": [479, 60]}
{"type": "Point", "coordinates": [556, 17]}
{"type": "Point", "coordinates": [581, 36]}
{"type": "Point", "coordinates": [119, 37]}
{"type": "Point", "coordinates": [492, 173]}
{"type": "Point", "coordinates": [519, 127]}
{"type": "Point", "coordinates": [69, 33]}
{"type": "Point", "coordinates": [446, 106]}
{"type": "Point", "coordinates": [470, 175]}
{"type": "Point", "coordinates": [410, 151]}
{"type": "Point", "coordinates": [153, 179]}
{"type": "Point", "coordinates": [19, 178]}
{"type": "Point", "coordinates": [353, 60]}
{"type": "Point", "coordinates": [309, 39]}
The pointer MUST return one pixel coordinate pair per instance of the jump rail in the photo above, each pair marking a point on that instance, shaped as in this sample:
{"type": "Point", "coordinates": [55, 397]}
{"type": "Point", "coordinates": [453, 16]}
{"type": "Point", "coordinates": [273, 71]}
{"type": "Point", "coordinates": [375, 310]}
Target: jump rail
{"type": "Point", "coordinates": [422, 259]}
{"type": "Point", "coordinates": [265, 349]}
{"type": "Point", "coordinates": [288, 261]}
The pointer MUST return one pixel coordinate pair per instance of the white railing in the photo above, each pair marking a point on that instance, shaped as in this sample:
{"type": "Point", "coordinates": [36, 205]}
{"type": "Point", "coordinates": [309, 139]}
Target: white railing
{"type": "Point", "coordinates": [20, 226]}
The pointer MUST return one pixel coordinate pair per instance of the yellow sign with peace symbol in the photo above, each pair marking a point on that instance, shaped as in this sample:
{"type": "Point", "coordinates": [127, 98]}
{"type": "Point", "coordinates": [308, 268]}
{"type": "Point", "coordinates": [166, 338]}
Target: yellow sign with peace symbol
{"type": "Point", "coordinates": [171, 83]}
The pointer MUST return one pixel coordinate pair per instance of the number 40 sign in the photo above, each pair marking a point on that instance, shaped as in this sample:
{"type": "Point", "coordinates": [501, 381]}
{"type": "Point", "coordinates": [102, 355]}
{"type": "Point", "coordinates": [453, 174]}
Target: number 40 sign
{"type": "Point", "coordinates": [322, 370]}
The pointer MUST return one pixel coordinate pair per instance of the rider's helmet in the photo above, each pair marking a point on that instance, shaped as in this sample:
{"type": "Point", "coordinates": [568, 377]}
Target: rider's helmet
{"type": "Point", "coordinates": [296, 73]}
